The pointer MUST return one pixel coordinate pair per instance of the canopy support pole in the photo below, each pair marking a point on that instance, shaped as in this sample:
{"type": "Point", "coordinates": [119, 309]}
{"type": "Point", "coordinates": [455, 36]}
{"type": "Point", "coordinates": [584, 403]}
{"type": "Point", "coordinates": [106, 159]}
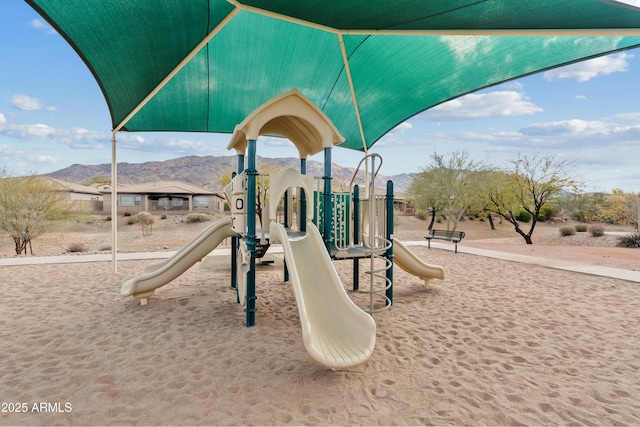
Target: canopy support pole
{"type": "Point", "coordinates": [345, 60]}
{"type": "Point", "coordinates": [114, 204]}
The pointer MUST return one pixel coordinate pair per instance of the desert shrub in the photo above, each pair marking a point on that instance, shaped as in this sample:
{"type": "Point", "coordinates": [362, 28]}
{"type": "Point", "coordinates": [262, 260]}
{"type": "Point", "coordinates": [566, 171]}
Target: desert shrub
{"type": "Point", "coordinates": [105, 247]}
{"type": "Point", "coordinates": [523, 216]}
{"type": "Point", "coordinates": [89, 219]}
{"type": "Point", "coordinates": [198, 217]}
{"type": "Point", "coordinates": [107, 218]}
{"type": "Point", "coordinates": [567, 231]}
{"type": "Point", "coordinates": [77, 247]}
{"type": "Point", "coordinates": [133, 220]}
{"type": "Point", "coordinates": [581, 228]}
{"type": "Point", "coordinates": [629, 241]}
{"type": "Point", "coordinates": [596, 230]}
{"type": "Point", "coordinates": [163, 216]}
{"type": "Point", "coordinates": [128, 213]}
{"type": "Point", "coordinates": [548, 212]}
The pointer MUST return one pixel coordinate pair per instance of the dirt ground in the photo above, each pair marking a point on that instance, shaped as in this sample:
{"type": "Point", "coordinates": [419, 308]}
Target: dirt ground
{"type": "Point", "coordinates": [171, 233]}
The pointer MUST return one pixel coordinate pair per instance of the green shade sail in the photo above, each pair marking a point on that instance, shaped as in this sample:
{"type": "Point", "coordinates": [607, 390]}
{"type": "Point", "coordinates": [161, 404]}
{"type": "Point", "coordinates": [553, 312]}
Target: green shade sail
{"type": "Point", "coordinates": [204, 65]}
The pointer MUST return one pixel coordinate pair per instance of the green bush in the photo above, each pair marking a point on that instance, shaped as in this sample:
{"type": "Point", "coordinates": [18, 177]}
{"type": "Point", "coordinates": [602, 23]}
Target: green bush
{"type": "Point", "coordinates": [198, 217]}
{"type": "Point", "coordinates": [629, 241]}
{"type": "Point", "coordinates": [596, 230]}
{"type": "Point", "coordinates": [548, 212]}
{"type": "Point", "coordinates": [581, 228]}
{"type": "Point", "coordinates": [523, 216]}
{"type": "Point", "coordinates": [567, 231]}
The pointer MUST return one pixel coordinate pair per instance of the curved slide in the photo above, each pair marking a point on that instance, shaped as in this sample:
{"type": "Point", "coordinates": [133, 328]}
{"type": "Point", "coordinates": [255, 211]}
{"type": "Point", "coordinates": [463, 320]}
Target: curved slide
{"type": "Point", "coordinates": [335, 331]}
{"type": "Point", "coordinates": [409, 262]}
{"type": "Point", "coordinates": [161, 273]}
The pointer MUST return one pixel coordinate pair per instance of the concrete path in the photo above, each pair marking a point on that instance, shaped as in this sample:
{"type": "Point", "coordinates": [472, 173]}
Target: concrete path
{"type": "Point", "coordinates": [617, 273]}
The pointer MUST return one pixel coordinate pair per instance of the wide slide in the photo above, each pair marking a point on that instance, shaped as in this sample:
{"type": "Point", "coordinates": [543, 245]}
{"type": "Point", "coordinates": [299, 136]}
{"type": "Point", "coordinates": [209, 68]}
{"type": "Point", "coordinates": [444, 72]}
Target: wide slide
{"type": "Point", "coordinates": [335, 331]}
{"type": "Point", "coordinates": [161, 273]}
{"type": "Point", "coordinates": [404, 258]}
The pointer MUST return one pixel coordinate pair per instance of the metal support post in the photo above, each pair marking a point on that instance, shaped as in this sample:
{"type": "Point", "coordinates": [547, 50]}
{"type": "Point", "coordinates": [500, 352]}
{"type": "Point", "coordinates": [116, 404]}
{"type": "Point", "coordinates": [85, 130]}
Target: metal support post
{"type": "Point", "coordinates": [302, 200]}
{"type": "Point", "coordinates": [251, 233]}
{"type": "Point", "coordinates": [328, 207]}
{"type": "Point", "coordinates": [356, 235]}
{"type": "Point", "coordinates": [389, 236]}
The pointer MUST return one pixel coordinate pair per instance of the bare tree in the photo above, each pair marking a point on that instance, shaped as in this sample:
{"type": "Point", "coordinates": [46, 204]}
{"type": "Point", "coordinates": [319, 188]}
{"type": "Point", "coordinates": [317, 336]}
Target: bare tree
{"type": "Point", "coordinates": [29, 208]}
{"type": "Point", "coordinates": [527, 186]}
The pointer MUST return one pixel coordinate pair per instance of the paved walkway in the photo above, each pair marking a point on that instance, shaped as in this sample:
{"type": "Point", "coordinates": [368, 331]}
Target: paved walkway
{"type": "Point", "coordinates": [617, 273]}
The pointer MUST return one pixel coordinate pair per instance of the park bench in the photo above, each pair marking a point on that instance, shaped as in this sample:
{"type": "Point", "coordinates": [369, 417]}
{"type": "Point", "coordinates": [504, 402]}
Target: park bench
{"type": "Point", "coordinates": [452, 236]}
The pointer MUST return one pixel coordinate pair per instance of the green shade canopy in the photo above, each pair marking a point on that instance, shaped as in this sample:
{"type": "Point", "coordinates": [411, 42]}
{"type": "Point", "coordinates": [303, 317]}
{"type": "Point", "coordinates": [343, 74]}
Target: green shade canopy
{"type": "Point", "coordinates": [204, 65]}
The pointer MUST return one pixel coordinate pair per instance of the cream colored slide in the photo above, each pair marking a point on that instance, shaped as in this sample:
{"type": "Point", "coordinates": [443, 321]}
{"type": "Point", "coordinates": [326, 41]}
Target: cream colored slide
{"type": "Point", "coordinates": [404, 258]}
{"type": "Point", "coordinates": [335, 331]}
{"type": "Point", "coordinates": [161, 273]}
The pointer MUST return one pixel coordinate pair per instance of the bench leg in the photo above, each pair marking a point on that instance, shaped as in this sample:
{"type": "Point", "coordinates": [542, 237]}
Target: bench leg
{"type": "Point", "coordinates": [428, 243]}
{"type": "Point", "coordinates": [456, 251]}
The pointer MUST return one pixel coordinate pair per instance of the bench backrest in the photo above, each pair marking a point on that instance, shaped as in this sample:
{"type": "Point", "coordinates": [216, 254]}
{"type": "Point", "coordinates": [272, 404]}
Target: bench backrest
{"type": "Point", "coordinates": [447, 233]}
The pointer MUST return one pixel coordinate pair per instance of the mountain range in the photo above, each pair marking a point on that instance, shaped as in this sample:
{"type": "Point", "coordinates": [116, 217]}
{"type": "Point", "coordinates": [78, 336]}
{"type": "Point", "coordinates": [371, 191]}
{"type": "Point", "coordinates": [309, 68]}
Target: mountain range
{"type": "Point", "coordinates": [205, 171]}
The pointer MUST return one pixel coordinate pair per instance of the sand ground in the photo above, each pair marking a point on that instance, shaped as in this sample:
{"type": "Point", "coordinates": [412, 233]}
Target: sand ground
{"type": "Point", "coordinates": [495, 343]}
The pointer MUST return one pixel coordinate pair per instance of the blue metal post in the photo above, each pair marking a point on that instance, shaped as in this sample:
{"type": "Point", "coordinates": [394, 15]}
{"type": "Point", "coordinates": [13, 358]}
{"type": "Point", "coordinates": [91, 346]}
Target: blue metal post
{"type": "Point", "coordinates": [251, 233]}
{"type": "Point", "coordinates": [328, 207]}
{"type": "Point", "coordinates": [389, 254]}
{"type": "Point", "coordinates": [302, 200]}
{"type": "Point", "coordinates": [356, 236]}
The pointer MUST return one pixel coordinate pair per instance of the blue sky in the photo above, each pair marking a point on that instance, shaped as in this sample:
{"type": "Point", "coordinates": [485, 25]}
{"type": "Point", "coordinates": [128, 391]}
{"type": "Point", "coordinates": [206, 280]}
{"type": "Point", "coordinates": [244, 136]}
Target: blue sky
{"type": "Point", "coordinates": [52, 115]}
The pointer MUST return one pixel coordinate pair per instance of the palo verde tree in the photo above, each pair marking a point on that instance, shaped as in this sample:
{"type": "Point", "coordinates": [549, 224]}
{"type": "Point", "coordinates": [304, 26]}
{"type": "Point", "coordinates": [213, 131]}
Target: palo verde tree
{"type": "Point", "coordinates": [530, 183]}
{"type": "Point", "coordinates": [29, 207]}
{"type": "Point", "coordinates": [449, 186]}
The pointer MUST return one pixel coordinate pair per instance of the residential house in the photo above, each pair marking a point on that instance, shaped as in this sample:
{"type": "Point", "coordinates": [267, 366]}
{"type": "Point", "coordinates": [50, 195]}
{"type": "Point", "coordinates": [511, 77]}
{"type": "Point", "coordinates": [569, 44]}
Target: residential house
{"type": "Point", "coordinates": [163, 196]}
{"type": "Point", "coordinates": [82, 198]}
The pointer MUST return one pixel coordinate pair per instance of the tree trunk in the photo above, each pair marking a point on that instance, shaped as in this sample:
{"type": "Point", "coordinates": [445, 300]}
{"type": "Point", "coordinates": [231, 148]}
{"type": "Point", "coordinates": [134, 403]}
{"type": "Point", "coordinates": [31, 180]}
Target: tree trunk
{"type": "Point", "coordinates": [433, 219]}
{"type": "Point", "coordinates": [493, 226]}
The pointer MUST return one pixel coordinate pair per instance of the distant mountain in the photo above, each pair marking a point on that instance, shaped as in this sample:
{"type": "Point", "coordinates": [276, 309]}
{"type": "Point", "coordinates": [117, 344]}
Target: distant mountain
{"type": "Point", "coordinates": [205, 171]}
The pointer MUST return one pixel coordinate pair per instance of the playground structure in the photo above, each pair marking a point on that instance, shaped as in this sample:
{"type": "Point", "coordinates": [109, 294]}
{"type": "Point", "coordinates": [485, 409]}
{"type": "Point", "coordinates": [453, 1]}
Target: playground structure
{"type": "Point", "coordinates": [329, 226]}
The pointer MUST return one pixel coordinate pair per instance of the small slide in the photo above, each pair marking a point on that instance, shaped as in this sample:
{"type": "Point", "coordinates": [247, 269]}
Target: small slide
{"type": "Point", "coordinates": [409, 262]}
{"type": "Point", "coordinates": [161, 273]}
{"type": "Point", "coordinates": [335, 331]}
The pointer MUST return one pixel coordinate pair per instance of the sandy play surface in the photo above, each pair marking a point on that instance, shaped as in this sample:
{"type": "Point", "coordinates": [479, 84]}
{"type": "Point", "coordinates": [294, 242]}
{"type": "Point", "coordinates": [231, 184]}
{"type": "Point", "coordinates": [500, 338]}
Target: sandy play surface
{"type": "Point", "coordinates": [495, 343]}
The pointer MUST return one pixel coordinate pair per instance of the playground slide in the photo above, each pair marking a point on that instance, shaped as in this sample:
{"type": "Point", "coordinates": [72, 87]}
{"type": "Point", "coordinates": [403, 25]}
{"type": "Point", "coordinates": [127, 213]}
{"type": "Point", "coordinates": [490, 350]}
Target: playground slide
{"type": "Point", "coordinates": [409, 262]}
{"type": "Point", "coordinates": [335, 331]}
{"type": "Point", "coordinates": [161, 273]}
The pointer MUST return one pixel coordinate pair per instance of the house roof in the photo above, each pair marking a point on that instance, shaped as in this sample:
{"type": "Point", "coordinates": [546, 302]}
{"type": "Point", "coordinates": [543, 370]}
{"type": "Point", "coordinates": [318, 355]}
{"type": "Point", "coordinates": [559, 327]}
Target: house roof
{"type": "Point", "coordinates": [163, 187]}
{"type": "Point", "coordinates": [73, 187]}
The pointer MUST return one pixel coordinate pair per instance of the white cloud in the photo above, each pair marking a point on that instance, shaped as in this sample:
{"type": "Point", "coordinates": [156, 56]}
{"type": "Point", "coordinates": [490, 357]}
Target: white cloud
{"type": "Point", "coordinates": [480, 106]}
{"type": "Point", "coordinates": [402, 127]}
{"type": "Point", "coordinates": [3, 119]}
{"type": "Point", "coordinates": [587, 70]}
{"type": "Point", "coordinates": [40, 24]}
{"type": "Point", "coordinates": [174, 146]}
{"type": "Point", "coordinates": [582, 98]}
{"type": "Point", "coordinates": [26, 103]}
